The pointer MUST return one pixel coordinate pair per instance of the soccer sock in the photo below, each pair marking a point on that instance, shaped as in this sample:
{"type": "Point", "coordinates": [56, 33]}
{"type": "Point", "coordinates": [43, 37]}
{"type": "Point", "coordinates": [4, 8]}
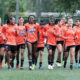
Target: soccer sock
{"type": "Point", "coordinates": [17, 62]}
{"type": "Point", "coordinates": [49, 62]}
{"type": "Point", "coordinates": [40, 63]}
{"type": "Point", "coordinates": [35, 61]}
{"type": "Point", "coordinates": [30, 62]}
{"type": "Point", "coordinates": [1, 58]}
{"type": "Point", "coordinates": [22, 62]}
{"type": "Point", "coordinates": [71, 66]}
{"type": "Point", "coordinates": [79, 61]}
{"type": "Point", "coordinates": [52, 63]}
{"type": "Point", "coordinates": [76, 61]}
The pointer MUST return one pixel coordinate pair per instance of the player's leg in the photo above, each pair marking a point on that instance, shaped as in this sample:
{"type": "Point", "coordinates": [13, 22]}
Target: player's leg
{"type": "Point", "coordinates": [29, 47]}
{"type": "Point", "coordinates": [22, 55]}
{"type": "Point", "coordinates": [17, 56]}
{"type": "Point", "coordinates": [34, 49]}
{"type": "Point", "coordinates": [66, 56]}
{"type": "Point", "coordinates": [76, 55]}
{"type": "Point", "coordinates": [41, 59]}
{"type": "Point", "coordinates": [59, 48]}
{"type": "Point", "coordinates": [72, 53]}
{"type": "Point", "coordinates": [1, 55]}
{"type": "Point", "coordinates": [13, 55]}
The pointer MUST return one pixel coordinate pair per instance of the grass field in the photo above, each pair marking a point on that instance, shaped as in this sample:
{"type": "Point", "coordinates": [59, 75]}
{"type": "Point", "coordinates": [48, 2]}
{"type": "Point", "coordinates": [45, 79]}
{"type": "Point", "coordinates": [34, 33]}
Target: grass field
{"type": "Point", "coordinates": [44, 74]}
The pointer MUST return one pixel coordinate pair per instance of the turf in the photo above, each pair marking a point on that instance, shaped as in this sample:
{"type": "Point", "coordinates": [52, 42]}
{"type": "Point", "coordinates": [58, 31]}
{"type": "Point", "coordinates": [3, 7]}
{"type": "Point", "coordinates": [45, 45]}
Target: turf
{"type": "Point", "coordinates": [44, 74]}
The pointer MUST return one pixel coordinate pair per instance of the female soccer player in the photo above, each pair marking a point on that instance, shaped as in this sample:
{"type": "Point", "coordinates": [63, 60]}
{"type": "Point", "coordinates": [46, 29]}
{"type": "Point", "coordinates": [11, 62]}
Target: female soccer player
{"type": "Point", "coordinates": [21, 34]}
{"type": "Point", "coordinates": [69, 43]}
{"type": "Point", "coordinates": [77, 41]}
{"type": "Point", "coordinates": [32, 30]}
{"type": "Point", "coordinates": [9, 32]}
{"type": "Point", "coordinates": [51, 42]}
{"type": "Point", "coordinates": [1, 45]}
{"type": "Point", "coordinates": [59, 41]}
{"type": "Point", "coordinates": [40, 46]}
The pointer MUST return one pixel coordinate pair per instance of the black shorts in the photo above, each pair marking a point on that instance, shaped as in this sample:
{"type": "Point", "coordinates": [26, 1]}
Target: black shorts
{"type": "Point", "coordinates": [40, 49]}
{"type": "Point", "coordinates": [21, 46]}
{"type": "Point", "coordinates": [2, 45]}
{"type": "Point", "coordinates": [60, 42]}
{"type": "Point", "coordinates": [51, 47]}
{"type": "Point", "coordinates": [32, 43]}
{"type": "Point", "coordinates": [77, 48]}
{"type": "Point", "coordinates": [11, 48]}
{"type": "Point", "coordinates": [68, 48]}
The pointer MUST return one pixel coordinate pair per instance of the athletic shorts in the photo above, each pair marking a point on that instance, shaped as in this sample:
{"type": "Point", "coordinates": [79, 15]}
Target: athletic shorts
{"type": "Point", "coordinates": [68, 48]}
{"type": "Point", "coordinates": [51, 47]}
{"type": "Point", "coordinates": [22, 46]}
{"type": "Point", "coordinates": [11, 48]}
{"type": "Point", "coordinates": [2, 45]}
{"type": "Point", "coordinates": [77, 48]}
{"type": "Point", "coordinates": [40, 49]}
{"type": "Point", "coordinates": [60, 42]}
{"type": "Point", "coordinates": [32, 43]}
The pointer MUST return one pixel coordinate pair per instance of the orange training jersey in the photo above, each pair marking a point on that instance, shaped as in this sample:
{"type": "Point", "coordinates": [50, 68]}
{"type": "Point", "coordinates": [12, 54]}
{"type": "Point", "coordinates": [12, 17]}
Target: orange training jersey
{"type": "Point", "coordinates": [32, 32]}
{"type": "Point", "coordinates": [60, 33]}
{"type": "Point", "coordinates": [21, 33]}
{"type": "Point", "coordinates": [1, 36]}
{"type": "Point", "coordinates": [77, 35]}
{"type": "Point", "coordinates": [51, 38]}
{"type": "Point", "coordinates": [9, 32]}
{"type": "Point", "coordinates": [69, 36]}
{"type": "Point", "coordinates": [41, 37]}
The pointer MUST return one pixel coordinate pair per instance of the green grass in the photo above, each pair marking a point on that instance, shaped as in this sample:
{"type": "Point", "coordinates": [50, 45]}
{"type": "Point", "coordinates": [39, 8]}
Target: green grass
{"type": "Point", "coordinates": [45, 74]}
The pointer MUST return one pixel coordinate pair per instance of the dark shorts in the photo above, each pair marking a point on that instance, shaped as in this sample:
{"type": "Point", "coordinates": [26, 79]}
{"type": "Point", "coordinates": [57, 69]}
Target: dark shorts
{"type": "Point", "coordinates": [32, 43]}
{"type": "Point", "coordinates": [51, 47]}
{"type": "Point", "coordinates": [11, 48]}
{"type": "Point", "coordinates": [68, 48]}
{"type": "Point", "coordinates": [60, 42]}
{"type": "Point", "coordinates": [21, 46]}
{"type": "Point", "coordinates": [2, 45]}
{"type": "Point", "coordinates": [77, 48]}
{"type": "Point", "coordinates": [40, 49]}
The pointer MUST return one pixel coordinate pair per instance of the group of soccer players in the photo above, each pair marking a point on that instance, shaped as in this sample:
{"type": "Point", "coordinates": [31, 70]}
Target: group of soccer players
{"type": "Point", "coordinates": [57, 34]}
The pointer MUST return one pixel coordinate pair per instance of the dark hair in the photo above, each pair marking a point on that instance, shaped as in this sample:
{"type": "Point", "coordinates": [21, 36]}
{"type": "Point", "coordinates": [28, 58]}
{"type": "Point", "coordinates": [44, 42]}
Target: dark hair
{"type": "Point", "coordinates": [30, 16]}
{"type": "Point", "coordinates": [57, 20]}
{"type": "Point", "coordinates": [8, 20]}
{"type": "Point", "coordinates": [20, 17]}
{"type": "Point", "coordinates": [41, 22]}
{"type": "Point", "coordinates": [77, 19]}
{"type": "Point", "coordinates": [52, 18]}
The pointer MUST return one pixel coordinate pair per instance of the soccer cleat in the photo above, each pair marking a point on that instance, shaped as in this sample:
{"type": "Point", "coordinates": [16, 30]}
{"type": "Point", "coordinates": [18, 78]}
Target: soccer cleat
{"type": "Point", "coordinates": [51, 67]}
{"type": "Point", "coordinates": [77, 65]}
{"type": "Point", "coordinates": [40, 67]}
{"type": "Point", "coordinates": [21, 68]}
{"type": "Point", "coordinates": [9, 68]}
{"type": "Point", "coordinates": [5, 64]}
{"type": "Point", "coordinates": [1, 65]}
{"type": "Point", "coordinates": [31, 68]}
{"type": "Point", "coordinates": [62, 63]}
{"type": "Point", "coordinates": [58, 64]}
{"type": "Point", "coordinates": [17, 66]}
{"type": "Point", "coordinates": [71, 67]}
